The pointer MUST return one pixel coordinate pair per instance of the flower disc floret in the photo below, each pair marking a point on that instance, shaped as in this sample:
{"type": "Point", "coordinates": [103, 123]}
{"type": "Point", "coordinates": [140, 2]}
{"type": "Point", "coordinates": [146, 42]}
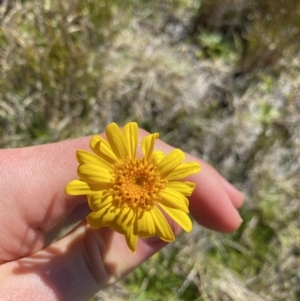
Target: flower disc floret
{"type": "Point", "coordinates": [136, 184]}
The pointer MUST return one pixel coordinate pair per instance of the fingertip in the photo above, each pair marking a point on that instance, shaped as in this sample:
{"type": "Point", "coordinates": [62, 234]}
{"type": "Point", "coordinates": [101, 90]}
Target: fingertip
{"type": "Point", "coordinates": [213, 204]}
{"type": "Point", "coordinates": [235, 195]}
{"type": "Point", "coordinates": [219, 216]}
{"type": "Point", "coordinates": [234, 223]}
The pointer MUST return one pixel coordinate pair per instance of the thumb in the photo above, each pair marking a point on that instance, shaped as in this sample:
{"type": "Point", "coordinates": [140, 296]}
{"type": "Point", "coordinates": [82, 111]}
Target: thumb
{"type": "Point", "coordinates": [75, 267]}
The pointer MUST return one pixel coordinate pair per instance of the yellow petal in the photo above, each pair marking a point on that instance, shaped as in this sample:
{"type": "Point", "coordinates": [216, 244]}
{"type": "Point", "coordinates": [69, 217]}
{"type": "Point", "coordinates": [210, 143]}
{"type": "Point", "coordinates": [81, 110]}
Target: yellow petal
{"type": "Point", "coordinates": [170, 161]}
{"type": "Point", "coordinates": [186, 188]}
{"type": "Point", "coordinates": [99, 200]}
{"type": "Point", "coordinates": [124, 223]}
{"type": "Point", "coordinates": [85, 157]}
{"type": "Point", "coordinates": [144, 226]}
{"type": "Point", "coordinates": [131, 239]}
{"type": "Point", "coordinates": [80, 187]}
{"type": "Point", "coordinates": [107, 154]}
{"type": "Point", "coordinates": [174, 199]}
{"type": "Point", "coordinates": [181, 218]}
{"type": "Point", "coordinates": [117, 141]}
{"type": "Point", "coordinates": [125, 218]}
{"type": "Point", "coordinates": [95, 143]}
{"type": "Point", "coordinates": [183, 170]}
{"type": "Point", "coordinates": [102, 149]}
{"type": "Point", "coordinates": [162, 227]}
{"type": "Point", "coordinates": [77, 187]}
{"type": "Point", "coordinates": [131, 137]}
{"type": "Point", "coordinates": [91, 173]}
{"type": "Point", "coordinates": [110, 216]}
{"type": "Point", "coordinates": [157, 156]}
{"type": "Point", "coordinates": [102, 217]}
{"type": "Point", "coordinates": [148, 145]}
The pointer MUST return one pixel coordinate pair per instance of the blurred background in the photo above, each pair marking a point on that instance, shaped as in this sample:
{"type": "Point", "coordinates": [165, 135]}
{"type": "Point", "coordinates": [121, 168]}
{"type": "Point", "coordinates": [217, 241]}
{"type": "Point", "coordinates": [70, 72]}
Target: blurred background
{"type": "Point", "coordinates": [217, 78]}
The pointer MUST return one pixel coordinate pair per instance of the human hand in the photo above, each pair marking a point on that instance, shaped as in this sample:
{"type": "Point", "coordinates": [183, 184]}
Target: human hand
{"type": "Point", "coordinates": [75, 267]}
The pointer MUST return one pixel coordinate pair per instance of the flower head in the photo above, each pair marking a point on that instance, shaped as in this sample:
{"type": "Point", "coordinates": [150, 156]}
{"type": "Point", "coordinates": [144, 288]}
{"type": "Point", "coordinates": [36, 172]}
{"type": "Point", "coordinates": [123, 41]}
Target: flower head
{"type": "Point", "coordinates": [129, 193]}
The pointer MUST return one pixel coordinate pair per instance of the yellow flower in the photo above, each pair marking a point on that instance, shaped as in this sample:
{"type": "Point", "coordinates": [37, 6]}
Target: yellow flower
{"type": "Point", "coordinates": [129, 193]}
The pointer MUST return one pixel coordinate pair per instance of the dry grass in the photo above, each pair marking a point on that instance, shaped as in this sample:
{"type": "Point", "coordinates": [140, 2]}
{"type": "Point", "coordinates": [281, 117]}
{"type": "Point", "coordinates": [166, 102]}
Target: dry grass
{"type": "Point", "coordinates": [71, 67]}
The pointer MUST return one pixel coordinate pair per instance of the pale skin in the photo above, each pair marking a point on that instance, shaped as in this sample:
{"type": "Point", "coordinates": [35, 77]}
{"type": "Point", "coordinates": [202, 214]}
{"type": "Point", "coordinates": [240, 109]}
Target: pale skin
{"type": "Point", "coordinates": [33, 206]}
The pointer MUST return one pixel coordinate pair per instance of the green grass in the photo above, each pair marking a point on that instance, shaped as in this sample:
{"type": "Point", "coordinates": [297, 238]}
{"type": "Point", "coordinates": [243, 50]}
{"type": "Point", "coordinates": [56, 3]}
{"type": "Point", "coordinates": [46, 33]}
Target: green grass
{"type": "Point", "coordinates": [71, 67]}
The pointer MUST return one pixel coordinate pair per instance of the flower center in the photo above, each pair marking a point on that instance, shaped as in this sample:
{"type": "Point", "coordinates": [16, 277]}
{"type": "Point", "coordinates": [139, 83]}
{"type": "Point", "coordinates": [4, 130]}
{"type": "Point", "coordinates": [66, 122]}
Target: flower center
{"type": "Point", "coordinates": [136, 183]}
